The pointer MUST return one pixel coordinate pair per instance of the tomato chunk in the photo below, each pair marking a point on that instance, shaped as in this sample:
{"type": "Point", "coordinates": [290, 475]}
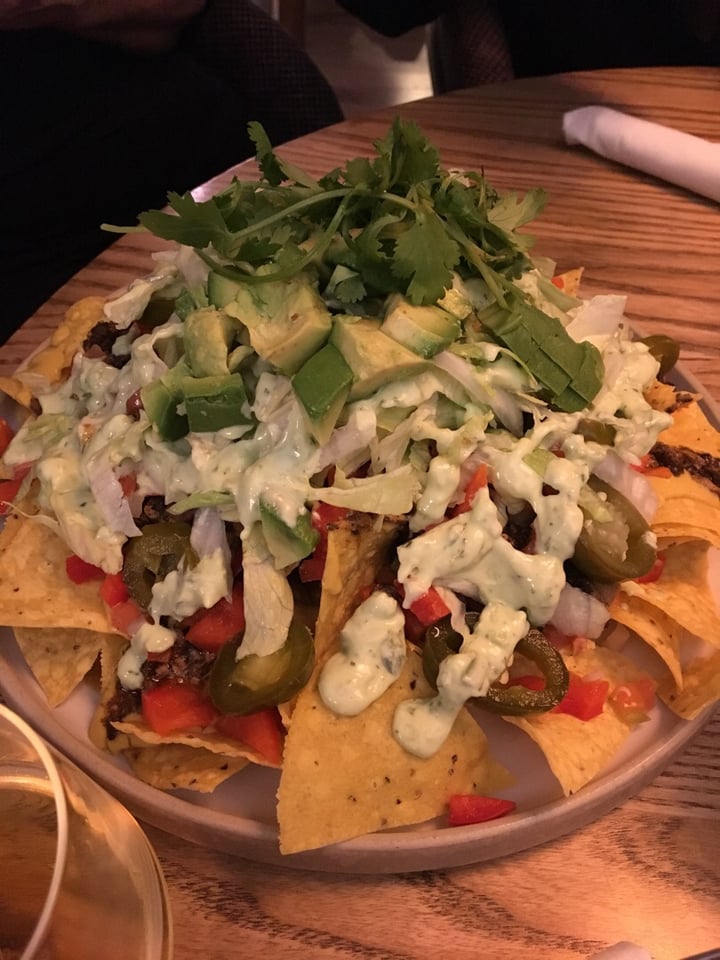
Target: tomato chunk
{"type": "Point", "coordinates": [585, 699]}
{"type": "Point", "coordinates": [655, 571]}
{"type": "Point", "coordinates": [429, 608]}
{"type": "Point", "coordinates": [214, 627]}
{"type": "Point", "coordinates": [172, 706]}
{"type": "Point", "coordinates": [634, 699]}
{"type": "Point", "coordinates": [124, 615]}
{"type": "Point", "coordinates": [478, 480]}
{"type": "Point", "coordinates": [465, 808]}
{"type": "Point", "coordinates": [322, 516]}
{"type": "Point", "coordinates": [113, 589]}
{"type": "Point", "coordinates": [80, 571]}
{"type": "Point", "coordinates": [262, 731]}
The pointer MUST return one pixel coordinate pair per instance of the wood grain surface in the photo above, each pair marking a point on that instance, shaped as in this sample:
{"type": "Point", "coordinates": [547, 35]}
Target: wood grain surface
{"type": "Point", "coordinates": [649, 871]}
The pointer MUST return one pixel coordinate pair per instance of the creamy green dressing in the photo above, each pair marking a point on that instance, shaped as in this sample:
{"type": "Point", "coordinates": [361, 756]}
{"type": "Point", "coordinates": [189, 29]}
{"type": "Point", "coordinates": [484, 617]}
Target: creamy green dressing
{"type": "Point", "coordinates": [371, 656]}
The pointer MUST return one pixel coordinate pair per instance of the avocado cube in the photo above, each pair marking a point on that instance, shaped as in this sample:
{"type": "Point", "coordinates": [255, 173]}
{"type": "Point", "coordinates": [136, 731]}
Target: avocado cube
{"type": "Point", "coordinates": [425, 330]}
{"type": "Point", "coordinates": [287, 320]}
{"type": "Point", "coordinates": [287, 544]}
{"type": "Point", "coordinates": [214, 403]}
{"type": "Point", "coordinates": [374, 358]}
{"type": "Point", "coordinates": [322, 386]}
{"type": "Point", "coordinates": [207, 334]}
{"type": "Point", "coordinates": [160, 403]}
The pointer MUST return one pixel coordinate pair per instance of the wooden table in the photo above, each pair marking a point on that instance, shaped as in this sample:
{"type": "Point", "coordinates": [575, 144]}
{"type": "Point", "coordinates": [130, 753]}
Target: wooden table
{"type": "Point", "coordinates": [648, 872]}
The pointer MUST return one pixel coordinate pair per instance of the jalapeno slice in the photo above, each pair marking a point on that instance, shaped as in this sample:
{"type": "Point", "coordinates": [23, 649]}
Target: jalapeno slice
{"type": "Point", "coordinates": [615, 549]}
{"type": "Point", "coordinates": [665, 349]}
{"type": "Point", "coordinates": [441, 640]}
{"type": "Point", "coordinates": [596, 432]}
{"type": "Point", "coordinates": [153, 555]}
{"type": "Point", "coordinates": [253, 682]}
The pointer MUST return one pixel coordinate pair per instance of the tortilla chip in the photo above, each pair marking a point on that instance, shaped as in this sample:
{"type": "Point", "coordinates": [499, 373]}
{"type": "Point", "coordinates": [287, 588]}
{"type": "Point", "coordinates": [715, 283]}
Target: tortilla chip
{"type": "Point", "coordinates": [700, 688]}
{"type": "Point", "coordinates": [59, 659]}
{"type": "Point", "coordinates": [578, 750]}
{"type": "Point", "coordinates": [17, 391]}
{"type": "Point", "coordinates": [344, 777]}
{"type": "Point", "coordinates": [682, 591]}
{"type": "Point", "coordinates": [171, 766]}
{"type": "Point", "coordinates": [140, 733]}
{"type": "Point", "coordinates": [692, 429]}
{"type": "Point", "coordinates": [664, 396]}
{"type": "Point", "coordinates": [104, 736]}
{"type": "Point", "coordinates": [569, 281]}
{"type": "Point", "coordinates": [50, 364]}
{"type": "Point", "coordinates": [356, 550]}
{"type": "Point", "coordinates": [655, 628]}
{"type": "Point", "coordinates": [35, 591]}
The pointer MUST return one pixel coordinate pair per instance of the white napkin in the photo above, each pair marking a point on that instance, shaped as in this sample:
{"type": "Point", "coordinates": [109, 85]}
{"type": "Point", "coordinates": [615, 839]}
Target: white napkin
{"type": "Point", "coordinates": [677, 157]}
{"type": "Point", "coordinates": [622, 951]}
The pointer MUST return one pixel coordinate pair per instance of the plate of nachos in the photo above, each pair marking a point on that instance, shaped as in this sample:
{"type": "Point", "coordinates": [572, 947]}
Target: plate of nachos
{"type": "Point", "coordinates": [354, 537]}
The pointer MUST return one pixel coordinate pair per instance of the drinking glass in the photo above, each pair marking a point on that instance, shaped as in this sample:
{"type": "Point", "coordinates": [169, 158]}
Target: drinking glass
{"type": "Point", "coordinates": [78, 877]}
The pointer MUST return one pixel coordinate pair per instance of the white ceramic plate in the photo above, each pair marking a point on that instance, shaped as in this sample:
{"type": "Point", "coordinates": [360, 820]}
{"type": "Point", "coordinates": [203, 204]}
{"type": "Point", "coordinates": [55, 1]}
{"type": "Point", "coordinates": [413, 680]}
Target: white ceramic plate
{"type": "Point", "coordinates": [239, 817]}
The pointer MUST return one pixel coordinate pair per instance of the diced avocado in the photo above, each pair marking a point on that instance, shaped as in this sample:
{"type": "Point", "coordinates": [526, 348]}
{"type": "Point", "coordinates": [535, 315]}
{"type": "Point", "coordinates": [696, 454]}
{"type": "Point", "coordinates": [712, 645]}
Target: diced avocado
{"type": "Point", "coordinates": [213, 403]}
{"type": "Point", "coordinates": [322, 386]}
{"type": "Point", "coordinates": [220, 289]}
{"type": "Point", "coordinates": [287, 320]}
{"type": "Point", "coordinates": [161, 405]}
{"type": "Point", "coordinates": [374, 358]}
{"type": "Point", "coordinates": [208, 334]}
{"type": "Point", "coordinates": [465, 295]}
{"type": "Point", "coordinates": [287, 544]}
{"type": "Point", "coordinates": [425, 330]}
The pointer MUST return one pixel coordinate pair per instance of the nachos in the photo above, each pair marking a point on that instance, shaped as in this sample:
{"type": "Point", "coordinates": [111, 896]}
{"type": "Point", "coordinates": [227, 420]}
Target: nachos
{"type": "Point", "coordinates": [346, 472]}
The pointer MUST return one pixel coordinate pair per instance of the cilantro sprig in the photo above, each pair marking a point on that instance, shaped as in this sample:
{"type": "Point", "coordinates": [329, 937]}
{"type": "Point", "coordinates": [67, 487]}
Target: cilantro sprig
{"type": "Point", "coordinates": [397, 222]}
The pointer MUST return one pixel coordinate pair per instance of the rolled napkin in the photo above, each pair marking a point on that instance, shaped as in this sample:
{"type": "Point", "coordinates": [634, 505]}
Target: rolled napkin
{"type": "Point", "coordinates": [677, 157]}
{"type": "Point", "coordinates": [622, 951]}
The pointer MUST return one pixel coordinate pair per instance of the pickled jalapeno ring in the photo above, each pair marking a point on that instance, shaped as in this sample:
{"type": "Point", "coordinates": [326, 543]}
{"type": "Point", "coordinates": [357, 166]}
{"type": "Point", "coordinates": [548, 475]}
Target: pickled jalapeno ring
{"type": "Point", "coordinates": [150, 557]}
{"type": "Point", "coordinates": [441, 641]}
{"type": "Point", "coordinates": [664, 349]}
{"type": "Point", "coordinates": [619, 548]}
{"type": "Point", "coordinates": [254, 682]}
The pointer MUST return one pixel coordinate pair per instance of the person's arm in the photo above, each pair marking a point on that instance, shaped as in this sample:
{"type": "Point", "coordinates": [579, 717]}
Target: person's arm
{"type": "Point", "coordinates": [142, 25]}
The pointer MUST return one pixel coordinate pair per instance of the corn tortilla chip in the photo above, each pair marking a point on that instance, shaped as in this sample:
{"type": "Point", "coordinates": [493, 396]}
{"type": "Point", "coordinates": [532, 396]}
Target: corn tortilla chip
{"type": "Point", "coordinates": [692, 429]}
{"type": "Point", "coordinates": [655, 628]}
{"type": "Point", "coordinates": [58, 658]}
{"type": "Point", "coordinates": [683, 591]}
{"type": "Point", "coordinates": [35, 591]}
{"type": "Point", "coordinates": [700, 688]}
{"type": "Point", "coordinates": [343, 777]}
{"type": "Point", "coordinates": [578, 750]}
{"type": "Point", "coordinates": [170, 766]}
{"type": "Point", "coordinates": [102, 734]}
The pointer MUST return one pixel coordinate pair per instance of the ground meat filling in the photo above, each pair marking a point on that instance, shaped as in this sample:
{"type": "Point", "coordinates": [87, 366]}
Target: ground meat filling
{"type": "Point", "coordinates": [679, 460]}
{"type": "Point", "coordinates": [99, 343]}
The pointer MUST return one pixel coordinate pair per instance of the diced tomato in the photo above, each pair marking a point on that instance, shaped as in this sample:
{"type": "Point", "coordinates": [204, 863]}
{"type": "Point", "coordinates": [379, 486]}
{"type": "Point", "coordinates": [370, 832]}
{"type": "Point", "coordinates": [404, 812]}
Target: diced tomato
{"type": "Point", "coordinates": [584, 699]}
{"type": "Point", "coordinates": [80, 571]}
{"type": "Point", "coordinates": [531, 681]}
{"type": "Point", "coordinates": [170, 706]}
{"type": "Point", "coordinates": [558, 639]}
{"type": "Point", "coordinates": [430, 607]}
{"type": "Point", "coordinates": [6, 435]}
{"type": "Point", "coordinates": [664, 473]}
{"type": "Point", "coordinates": [113, 589]}
{"type": "Point", "coordinates": [655, 572]}
{"type": "Point", "coordinates": [643, 465]}
{"type": "Point", "coordinates": [124, 614]}
{"type": "Point", "coordinates": [464, 808]}
{"type": "Point", "coordinates": [262, 731]}
{"type": "Point", "coordinates": [214, 627]}
{"type": "Point", "coordinates": [128, 482]}
{"type": "Point", "coordinates": [9, 488]}
{"type": "Point", "coordinates": [322, 516]}
{"type": "Point", "coordinates": [414, 628]}
{"type": "Point", "coordinates": [478, 480]}
{"type": "Point", "coordinates": [558, 282]}
{"type": "Point", "coordinates": [633, 700]}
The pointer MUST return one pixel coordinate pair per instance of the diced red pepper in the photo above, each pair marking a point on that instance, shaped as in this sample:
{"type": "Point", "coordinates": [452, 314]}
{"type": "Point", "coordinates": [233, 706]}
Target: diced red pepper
{"type": "Point", "coordinates": [9, 488]}
{"type": "Point", "coordinates": [80, 571]}
{"type": "Point", "coordinates": [124, 614]}
{"type": "Point", "coordinates": [6, 435]}
{"type": "Point", "coordinates": [322, 516]}
{"type": "Point", "coordinates": [478, 480]}
{"type": "Point", "coordinates": [113, 589]}
{"type": "Point", "coordinates": [664, 473]}
{"type": "Point", "coordinates": [634, 699]}
{"type": "Point", "coordinates": [585, 699]}
{"type": "Point", "coordinates": [558, 282]}
{"type": "Point", "coordinates": [261, 731]}
{"type": "Point", "coordinates": [214, 627]}
{"type": "Point", "coordinates": [429, 608]}
{"type": "Point", "coordinates": [465, 808]}
{"type": "Point", "coordinates": [655, 571]}
{"type": "Point", "coordinates": [643, 465]}
{"type": "Point", "coordinates": [169, 706]}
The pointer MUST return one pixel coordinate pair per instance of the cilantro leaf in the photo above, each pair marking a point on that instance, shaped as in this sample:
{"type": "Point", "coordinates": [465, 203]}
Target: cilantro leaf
{"type": "Point", "coordinates": [426, 254]}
